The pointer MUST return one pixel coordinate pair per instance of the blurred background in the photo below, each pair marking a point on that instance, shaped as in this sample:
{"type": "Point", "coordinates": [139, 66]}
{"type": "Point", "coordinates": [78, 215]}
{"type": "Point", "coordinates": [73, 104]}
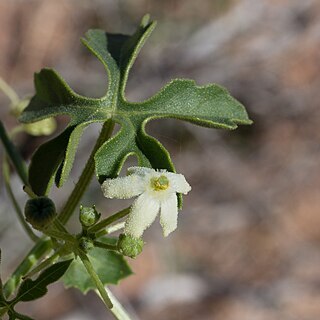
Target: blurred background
{"type": "Point", "coordinates": [247, 246]}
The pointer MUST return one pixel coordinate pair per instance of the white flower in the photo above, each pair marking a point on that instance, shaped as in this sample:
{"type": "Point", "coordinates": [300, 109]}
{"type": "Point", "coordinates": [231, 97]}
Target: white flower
{"type": "Point", "coordinates": [157, 192]}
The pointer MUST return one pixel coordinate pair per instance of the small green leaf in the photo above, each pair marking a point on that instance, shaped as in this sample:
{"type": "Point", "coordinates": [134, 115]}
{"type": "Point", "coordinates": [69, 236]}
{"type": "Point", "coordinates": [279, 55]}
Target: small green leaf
{"type": "Point", "coordinates": [208, 106]}
{"type": "Point", "coordinates": [34, 289]}
{"type": "Point", "coordinates": [13, 155]}
{"type": "Point", "coordinates": [54, 156]}
{"type": "Point", "coordinates": [110, 267]}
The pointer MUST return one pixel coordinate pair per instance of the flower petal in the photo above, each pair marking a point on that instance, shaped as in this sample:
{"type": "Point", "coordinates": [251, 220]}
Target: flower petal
{"type": "Point", "coordinates": [178, 182]}
{"type": "Point", "coordinates": [143, 212]}
{"type": "Point", "coordinates": [123, 187]}
{"type": "Point", "coordinates": [169, 214]}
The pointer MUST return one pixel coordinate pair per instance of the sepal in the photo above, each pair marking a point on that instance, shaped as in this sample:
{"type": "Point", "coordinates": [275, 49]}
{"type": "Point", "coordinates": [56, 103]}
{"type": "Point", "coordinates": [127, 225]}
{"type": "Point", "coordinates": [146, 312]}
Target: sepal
{"type": "Point", "coordinates": [130, 246]}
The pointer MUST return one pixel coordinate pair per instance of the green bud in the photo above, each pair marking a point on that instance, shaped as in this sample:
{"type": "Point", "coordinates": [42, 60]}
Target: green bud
{"type": "Point", "coordinates": [86, 244]}
{"type": "Point", "coordinates": [40, 212]}
{"type": "Point", "coordinates": [130, 246]}
{"type": "Point", "coordinates": [43, 127]}
{"type": "Point", "coordinates": [89, 216]}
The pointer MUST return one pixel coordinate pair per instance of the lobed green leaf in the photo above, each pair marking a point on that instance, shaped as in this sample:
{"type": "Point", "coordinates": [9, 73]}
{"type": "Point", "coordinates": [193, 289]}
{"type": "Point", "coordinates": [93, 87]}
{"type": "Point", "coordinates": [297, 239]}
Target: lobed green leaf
{"type": "Point", "coordinates": [209, 106]}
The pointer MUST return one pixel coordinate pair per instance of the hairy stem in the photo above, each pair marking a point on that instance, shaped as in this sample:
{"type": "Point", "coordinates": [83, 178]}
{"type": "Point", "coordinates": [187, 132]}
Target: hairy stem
{"type": "Point", "coordinates": [105, 245]}
{"type": "Point", "coordinates": [106, 222]}
{"type": "Point", "coordinates": [59, 235]}
{"type": "Point", "coordinates": [86, 262]}
{"type": "Point", "coordinates": [47, 262]}
{"type": "Point", "coordinates": [111, 229]}
{"type": "Point", "coordinates": [6, 177]}
{"type": "Point", "coordinates": [86, 175]}
{"type": "Point", "coordinates": [118, 310]}
{"type": "Point", "coordinates": [44, 245]}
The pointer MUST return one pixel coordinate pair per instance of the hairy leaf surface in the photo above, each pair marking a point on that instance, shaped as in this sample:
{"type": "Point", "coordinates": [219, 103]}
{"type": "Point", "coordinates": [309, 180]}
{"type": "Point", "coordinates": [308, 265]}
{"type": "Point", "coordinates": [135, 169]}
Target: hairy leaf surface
{"type": "Point", "coordinates": [209, 106]}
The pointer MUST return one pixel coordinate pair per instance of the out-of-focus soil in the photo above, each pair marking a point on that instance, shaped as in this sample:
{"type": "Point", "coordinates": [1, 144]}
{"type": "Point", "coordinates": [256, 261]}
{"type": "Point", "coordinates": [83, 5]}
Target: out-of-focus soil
{"type": "Point", "coordinates": [248, 236]}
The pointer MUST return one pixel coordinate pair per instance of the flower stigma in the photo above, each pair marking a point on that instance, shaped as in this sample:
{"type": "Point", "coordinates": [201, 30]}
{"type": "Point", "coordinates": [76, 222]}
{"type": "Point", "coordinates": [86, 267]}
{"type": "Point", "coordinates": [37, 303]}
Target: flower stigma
{"type": "Point", "coordinates": [160, 184]}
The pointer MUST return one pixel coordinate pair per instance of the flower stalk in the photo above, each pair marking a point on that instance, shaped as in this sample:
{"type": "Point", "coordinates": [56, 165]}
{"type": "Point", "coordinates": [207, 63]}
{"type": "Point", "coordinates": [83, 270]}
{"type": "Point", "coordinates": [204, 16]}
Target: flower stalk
{"type": "Point", "coordinates": [86, 175]}
{"type": "Point", "coordinates": [86, 262]}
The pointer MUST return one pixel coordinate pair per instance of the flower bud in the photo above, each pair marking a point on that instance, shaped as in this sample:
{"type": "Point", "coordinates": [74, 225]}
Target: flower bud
{"type": "Point", "coordinates": [40, 212]}
{"type": "Point", "coordinates": [130, 246]}
{"type": "Point", "coordinates": [89, 216]}
{"type": "Point", "coordinates": [43, 127]}
{"type": "Point", "coordinates": [86, 244]}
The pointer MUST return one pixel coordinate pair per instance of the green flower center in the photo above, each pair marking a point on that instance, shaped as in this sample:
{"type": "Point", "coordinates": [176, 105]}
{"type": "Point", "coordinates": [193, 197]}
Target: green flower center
{"type": "Point", "coordinates": [159, 184]}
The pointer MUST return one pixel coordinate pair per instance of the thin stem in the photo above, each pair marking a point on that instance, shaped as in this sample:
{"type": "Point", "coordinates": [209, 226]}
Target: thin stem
{"type": "Point", "coordinates": [14, 131]}
{"type": "Point", "coordinates": [6, 176]}
{"type": "Point", "coordinates": [86, 262]}
{"type": "Point", "coordinates": [29, 192]}
{"type": "Point", "coordinates": [104, 223]}
{"type": "Point", "coordinates": [9, 92]}
{"type": "Point", "coordinates": [117, 310]}
{"type": "Point", "coordinates": [59, 226]}
{"type": "Point", "coordinates": [14, 155]}
{"type": "Point", "coordinates": [51, 232]}
{"type": "Point", "coordinates": [86, 175]}
{"type": "Point", "coordinates": [110, 229]}
{"type": "Point", "coordinates": [45, 263]}
{"type": "Point", "coordinates": [41, 248]}
{"type": "Point", "coordinates": [105, 245]}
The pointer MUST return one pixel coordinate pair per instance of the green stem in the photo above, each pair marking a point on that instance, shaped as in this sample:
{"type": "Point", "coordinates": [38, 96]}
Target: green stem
{"type": "Point", "coordinates": [105, 245]}
{"type": "Point", "coordinates": [43, 264]}
{"type": "Point", "coordinates": [41, 248]}
{"type": "Point", "coordinates": [9, 92]}
{"type": "Point", "coordinates": [6, 177]}
{"type": "Point", "coordinates": [111, 229]}
{"type": "Point", "coordinates": [118, 310]}
{"type": "Point", "coordinates": [86, 175]}
{"type": "Point", "coordinates": [60, 227]}
{"type": "Point", "coordinates": [106, 222]}
{"type": "Point", "coordinates": [29, 192]}
{"type": "Point", "coordinates": [14, 131]}
{"type": "Point", "coordinates": [58, 231]}
{"type": "Point", "coordinates": [61, 235]}
{"type": "Point", "coordinates": [14, 155]}
{"type": "Point", "coordinates": [86, 262]}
